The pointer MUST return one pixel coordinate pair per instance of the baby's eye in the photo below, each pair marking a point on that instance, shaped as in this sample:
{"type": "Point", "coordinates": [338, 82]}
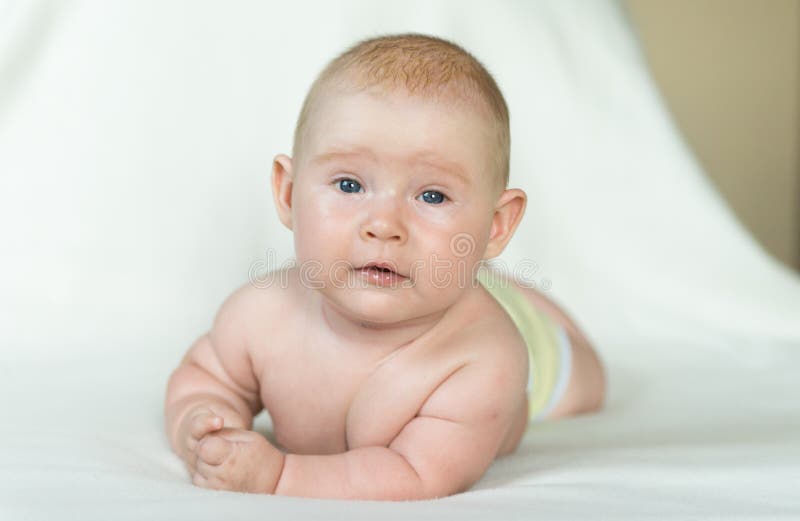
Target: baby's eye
{"type": "Point", "coordinates": [349, 186]}
{"type": "Point", "coordinates": [433, 197]}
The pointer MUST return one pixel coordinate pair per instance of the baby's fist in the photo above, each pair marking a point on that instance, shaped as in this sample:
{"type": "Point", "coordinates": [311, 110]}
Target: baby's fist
{"type": "Point", "coordinates": [238, 460]}
{"type": "Point", "coordinates": [199, 421]}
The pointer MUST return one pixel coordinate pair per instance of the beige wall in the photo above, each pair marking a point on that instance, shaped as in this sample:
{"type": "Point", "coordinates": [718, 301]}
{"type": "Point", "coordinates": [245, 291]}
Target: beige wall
{"type": "Point", "coordinates": [729, 71]}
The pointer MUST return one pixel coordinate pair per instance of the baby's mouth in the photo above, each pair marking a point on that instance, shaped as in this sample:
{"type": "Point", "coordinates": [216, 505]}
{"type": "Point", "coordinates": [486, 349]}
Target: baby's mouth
{"type": "Point", "coordinates": [380, 274]}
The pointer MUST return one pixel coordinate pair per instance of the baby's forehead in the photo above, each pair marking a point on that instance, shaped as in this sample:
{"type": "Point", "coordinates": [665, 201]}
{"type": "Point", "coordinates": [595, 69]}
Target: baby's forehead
{"type": "Point", "coordinates": [435, 116]}
{"type": "Point", "coordinates": [338, 106]}
{"type": "Point", "coordinates": [393, 127]}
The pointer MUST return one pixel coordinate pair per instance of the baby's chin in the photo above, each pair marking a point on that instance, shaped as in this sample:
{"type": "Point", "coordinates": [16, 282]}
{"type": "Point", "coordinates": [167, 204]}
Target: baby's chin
{"type": "Point", "coordinates": [390, 305]}
{"type": "Point", "coordinates": [375, 305]}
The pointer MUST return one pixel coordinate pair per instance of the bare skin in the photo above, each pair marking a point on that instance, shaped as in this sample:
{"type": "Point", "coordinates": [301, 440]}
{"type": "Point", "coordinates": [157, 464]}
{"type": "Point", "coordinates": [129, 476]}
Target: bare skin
{"type": "Point", "coordinates": [350, 394]}
{"type": "Point", "coordinates": [375, 391]}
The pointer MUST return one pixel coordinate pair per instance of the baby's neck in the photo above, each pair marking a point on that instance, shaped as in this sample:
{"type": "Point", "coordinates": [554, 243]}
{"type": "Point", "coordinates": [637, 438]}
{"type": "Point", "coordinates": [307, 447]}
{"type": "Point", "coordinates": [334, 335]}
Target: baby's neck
{"type": "Point", "coordinates": [372, 336]}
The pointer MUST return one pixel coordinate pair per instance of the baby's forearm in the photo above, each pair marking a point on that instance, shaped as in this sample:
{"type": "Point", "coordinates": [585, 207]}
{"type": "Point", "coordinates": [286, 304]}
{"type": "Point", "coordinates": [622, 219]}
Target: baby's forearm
{"type": "Point", "coordinates": [190, 387]}
{"type": "Point", "coordinates": [377, 473]}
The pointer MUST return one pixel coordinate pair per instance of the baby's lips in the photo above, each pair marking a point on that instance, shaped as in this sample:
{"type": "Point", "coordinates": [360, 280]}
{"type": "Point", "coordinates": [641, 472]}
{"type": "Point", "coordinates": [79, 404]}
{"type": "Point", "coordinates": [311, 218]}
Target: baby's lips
{"type": "Point", "coordinates": [386, 265]}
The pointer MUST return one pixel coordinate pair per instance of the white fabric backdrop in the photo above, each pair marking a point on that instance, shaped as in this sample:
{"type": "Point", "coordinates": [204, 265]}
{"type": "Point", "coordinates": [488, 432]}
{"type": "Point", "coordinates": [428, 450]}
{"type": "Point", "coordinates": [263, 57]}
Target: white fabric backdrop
{"type": "Point", "coordinates": [135, 148]}
{"type": "Point", "coordinates": [136, 141]}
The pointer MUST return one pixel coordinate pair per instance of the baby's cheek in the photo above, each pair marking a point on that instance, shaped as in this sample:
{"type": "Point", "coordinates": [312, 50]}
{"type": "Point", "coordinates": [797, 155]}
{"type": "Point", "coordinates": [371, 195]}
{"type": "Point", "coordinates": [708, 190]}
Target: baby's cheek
{"type": "Point", "coordinates": [322, 243]}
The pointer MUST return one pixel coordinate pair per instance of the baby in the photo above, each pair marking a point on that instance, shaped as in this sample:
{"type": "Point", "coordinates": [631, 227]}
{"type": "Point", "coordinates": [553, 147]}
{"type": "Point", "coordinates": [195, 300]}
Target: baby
{"type": "Point", "coordinates": [393, 363]}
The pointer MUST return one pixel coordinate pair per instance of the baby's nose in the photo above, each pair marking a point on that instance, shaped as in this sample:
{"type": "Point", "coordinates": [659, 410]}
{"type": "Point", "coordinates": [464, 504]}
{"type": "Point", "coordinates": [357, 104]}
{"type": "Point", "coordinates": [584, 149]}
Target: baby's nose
{"type": "Point", "coordinates": [384, 222]}
{"type": "Point", "coordinates": [382, 233]}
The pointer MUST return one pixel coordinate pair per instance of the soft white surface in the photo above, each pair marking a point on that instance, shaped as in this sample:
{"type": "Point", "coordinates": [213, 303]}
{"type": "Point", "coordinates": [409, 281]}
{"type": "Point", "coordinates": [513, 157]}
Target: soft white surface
{"type": "Point", "coordinates": [135, 148]}
{"type": "Point", "coordinates": [685, 435]}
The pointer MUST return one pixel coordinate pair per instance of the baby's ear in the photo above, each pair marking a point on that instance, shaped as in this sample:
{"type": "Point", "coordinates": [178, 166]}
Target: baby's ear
{"type": "Point", "coordinates": [508, 213]}
{"type": "Point", "coordinates": [282, 184]}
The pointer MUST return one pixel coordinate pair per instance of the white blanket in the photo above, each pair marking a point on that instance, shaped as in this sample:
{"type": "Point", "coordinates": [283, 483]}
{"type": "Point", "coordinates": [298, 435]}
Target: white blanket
{"type": "Point", "coordinates": [135, 148]}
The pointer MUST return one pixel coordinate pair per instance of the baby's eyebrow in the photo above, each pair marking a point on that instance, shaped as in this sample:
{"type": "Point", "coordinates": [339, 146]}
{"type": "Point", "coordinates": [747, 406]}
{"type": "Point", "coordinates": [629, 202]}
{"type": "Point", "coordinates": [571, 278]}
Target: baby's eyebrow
{"type": "Point", "coordinates": [342, 154]}
{"type": "Point", "coordinates": [428, 158]}
{"type": "Point", "coordinates": [433, 160]}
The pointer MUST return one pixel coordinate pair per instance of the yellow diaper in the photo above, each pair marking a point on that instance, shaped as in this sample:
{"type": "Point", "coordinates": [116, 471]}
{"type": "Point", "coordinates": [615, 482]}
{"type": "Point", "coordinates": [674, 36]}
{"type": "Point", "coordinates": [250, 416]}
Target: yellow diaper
{"type": "Point", "coordinates": [549, 352]}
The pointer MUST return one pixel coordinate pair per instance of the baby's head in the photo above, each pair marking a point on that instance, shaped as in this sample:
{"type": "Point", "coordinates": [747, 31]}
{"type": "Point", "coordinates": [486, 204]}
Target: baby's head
{"type": "Point", "coordinates": [401, 157]}
{"type": "Point", "coordinates": [418, 66]}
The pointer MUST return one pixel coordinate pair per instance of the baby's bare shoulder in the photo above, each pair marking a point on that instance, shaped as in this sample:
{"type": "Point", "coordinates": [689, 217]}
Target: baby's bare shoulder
{"type": "Point", "coordinates": [491, 350]}
{"type": "Point", "coordinates": [492, 330]}
{"type": "Point", "coordinates": [259, 309]}
{"type": "Point", "coordinates": [276, 291]}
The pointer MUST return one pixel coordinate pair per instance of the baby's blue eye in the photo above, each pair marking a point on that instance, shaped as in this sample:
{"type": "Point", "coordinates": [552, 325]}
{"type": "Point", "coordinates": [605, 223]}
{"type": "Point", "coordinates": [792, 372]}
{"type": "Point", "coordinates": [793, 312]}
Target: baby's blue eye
{"type": "Point", "coordinates": [433, 197]}
{"type": "Point", "coordinates": [349, 186]}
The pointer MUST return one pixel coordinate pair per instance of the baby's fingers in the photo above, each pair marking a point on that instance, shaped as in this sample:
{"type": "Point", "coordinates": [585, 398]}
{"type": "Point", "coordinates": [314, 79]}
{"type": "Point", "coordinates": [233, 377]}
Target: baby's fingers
{"type": "Point", "coordinates": [213, 450]}
{"type": "Point", "coordinates": [204, 423]}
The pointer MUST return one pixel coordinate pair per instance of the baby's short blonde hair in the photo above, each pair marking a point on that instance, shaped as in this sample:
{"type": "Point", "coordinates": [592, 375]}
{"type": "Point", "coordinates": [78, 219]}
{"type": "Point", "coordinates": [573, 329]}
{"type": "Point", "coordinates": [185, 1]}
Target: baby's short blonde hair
{"type": "Point", "coordinates": [419, 65]}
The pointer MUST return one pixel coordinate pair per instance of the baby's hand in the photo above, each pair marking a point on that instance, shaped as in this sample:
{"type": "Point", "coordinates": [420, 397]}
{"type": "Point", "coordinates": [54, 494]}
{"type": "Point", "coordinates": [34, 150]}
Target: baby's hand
{"type": "Point", "coordinates": [198, 422]}
{"type": "Point", "coordinates": [238, 460]}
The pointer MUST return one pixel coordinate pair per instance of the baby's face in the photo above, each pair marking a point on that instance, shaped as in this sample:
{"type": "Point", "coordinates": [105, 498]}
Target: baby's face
{"type": "Point", "coordinates": [397, 180]}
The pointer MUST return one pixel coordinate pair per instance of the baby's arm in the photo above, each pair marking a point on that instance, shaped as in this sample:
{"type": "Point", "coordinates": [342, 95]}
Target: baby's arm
{"type": "Point", "coordinates": [444, 449]}
{"type": "Point", "coordinates": [215, 378]}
